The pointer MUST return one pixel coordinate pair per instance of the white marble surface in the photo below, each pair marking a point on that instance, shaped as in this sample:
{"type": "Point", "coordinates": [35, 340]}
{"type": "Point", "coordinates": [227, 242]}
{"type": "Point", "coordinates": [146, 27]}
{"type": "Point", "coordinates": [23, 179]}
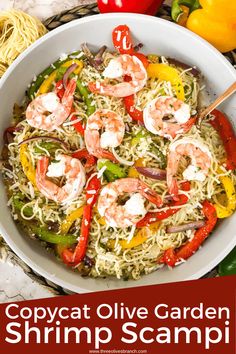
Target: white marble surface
{"type": "Point", "coordinates": [15, 285]}
{"type": "Point", "coordinates": [42, 8]}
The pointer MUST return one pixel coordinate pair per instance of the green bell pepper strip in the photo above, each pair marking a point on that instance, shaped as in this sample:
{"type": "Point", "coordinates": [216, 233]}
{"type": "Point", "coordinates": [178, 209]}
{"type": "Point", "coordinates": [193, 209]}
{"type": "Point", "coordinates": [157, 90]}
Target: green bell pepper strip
{"type": "Point", "coordinates": [84, 92]}
{"type": "Point", "coordinates": [137, 138]}
{"type": "Point", "coordinates": [228, 265]}
{"type": "Point", "coordinates": [41, 77]}
{"type": "Point", "coordinates": [113, 171]}
{"type": "Point", "coordinates": [42, 232]}
{"type": "Point", "coordinates": [50, 147]}
{"type": "Point", "coordinates": [176, 9]}
{"type": "Point", "coordinates": [51, 237]}
{"type": "Point", "coordinates": [18, 205]}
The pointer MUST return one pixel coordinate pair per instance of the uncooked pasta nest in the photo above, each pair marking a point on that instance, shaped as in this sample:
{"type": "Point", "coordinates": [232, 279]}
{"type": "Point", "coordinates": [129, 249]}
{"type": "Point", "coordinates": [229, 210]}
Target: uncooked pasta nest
{"type": "Point", "coordinates": [18, 31]}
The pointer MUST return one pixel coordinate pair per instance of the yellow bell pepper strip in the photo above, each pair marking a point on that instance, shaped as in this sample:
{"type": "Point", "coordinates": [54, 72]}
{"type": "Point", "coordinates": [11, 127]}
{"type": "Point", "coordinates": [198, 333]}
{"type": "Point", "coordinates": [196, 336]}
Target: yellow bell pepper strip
{"type": "Point", "coordinates": [226, 211]}
{"type": "Point", "coordinates": [133, 173]}
{"type": "Point", "coordinates": [70, 219]}
{"type": "Point", "coordinates": [137, 240]}
{"type": "Point", "coordinates": [47, 83]}
{"type": "Point", "coordinates": [102, 221]}
{"type": "Point", "coordinates": [215, 21]}
{"type": "Point", "coordinates": [27, 166]}
{"type": "Point", "coordinates": [167, 73]}
{"type": "Point", "coordinates": [141, 236]}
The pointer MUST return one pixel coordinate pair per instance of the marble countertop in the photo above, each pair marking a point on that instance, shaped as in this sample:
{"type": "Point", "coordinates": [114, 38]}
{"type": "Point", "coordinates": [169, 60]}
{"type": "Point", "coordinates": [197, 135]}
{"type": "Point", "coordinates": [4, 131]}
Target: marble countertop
{"type": "Point", "coordinates": [42, 8]}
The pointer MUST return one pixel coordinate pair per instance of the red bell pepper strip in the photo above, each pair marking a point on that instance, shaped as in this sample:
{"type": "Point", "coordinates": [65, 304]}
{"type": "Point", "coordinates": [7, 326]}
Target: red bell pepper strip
{"type": "Point", "coordinates": [92, 191]}
{"type": "Point", "coordinates": [134, 112]}
{"type": "Point", "coordinates": [59, 89]}
{"type": "Point", "coordinates": [129, 101]}
{"type": "Point", "coordinates": [122, 40]}
{"type": "Point", "coordinates": [171, 256]}
{"type": "Point", "coordinates": [142, 57]}
{"type": "Point", "coordinates": [153, 217]}
{"type": "Point", "coordinates": [83, 154]}
{"type": "Point", "coordinates": [226, 132]}
{"type": "Point", "coordinates": [78, 125]}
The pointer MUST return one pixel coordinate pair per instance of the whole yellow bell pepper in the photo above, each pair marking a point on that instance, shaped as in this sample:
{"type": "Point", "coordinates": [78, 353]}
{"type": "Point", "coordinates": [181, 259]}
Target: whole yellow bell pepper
{"type": "Point", "coordinates": [27, 166]}
{"type": "Point", "coordinates": [226, 211]}
{"type": "Point", "coordinates": [213, 20]}
{"type": "Point", "coordinates": [167, 73]}
{"type": "Point", "coordinates": [70, 219]}
{"type": "Point", "coordinates": [47, 83]}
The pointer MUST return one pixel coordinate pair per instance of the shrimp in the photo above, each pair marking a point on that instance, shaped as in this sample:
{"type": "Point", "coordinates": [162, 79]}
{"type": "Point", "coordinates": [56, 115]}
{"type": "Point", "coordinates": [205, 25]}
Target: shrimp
{"type": "Point", "coordinates": [114, 127]}
{"type": "Point", "coordinates": [66, 166]}
{"type": "Point", "coordinates": [123, 65]}
{"type": "Point", "coordinates": [133, 210]}
{"type": "Point", "coordinates": [46, 112]}
{"type": "Point", "coordinates": [156, 114]}
{"type": "Point", "coordinates": [200, 162]}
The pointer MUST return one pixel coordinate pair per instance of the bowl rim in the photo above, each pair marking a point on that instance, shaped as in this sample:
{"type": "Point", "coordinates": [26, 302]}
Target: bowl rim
{"type": "Point", "coordinates": [102, 17]}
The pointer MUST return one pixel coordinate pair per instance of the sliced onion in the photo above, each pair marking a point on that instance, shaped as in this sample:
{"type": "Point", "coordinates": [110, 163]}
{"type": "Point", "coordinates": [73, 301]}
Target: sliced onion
{"type": "Point", "coordinates": [154, 173]}
{"type": "Point", "coordinates": [98, 60]}
{"type": "Point", "coordinates": [44, 137]}
{"type": "Point", "coordinates": [194, 71]}
{"type": "Point", "coordinates": [121, 160]}
{"type": "Point", "coordinates": [9, 133]}
{"type": "Point", "coordinates": [67, 73]}
{"type": "Point", "coordinates": [189, 226]}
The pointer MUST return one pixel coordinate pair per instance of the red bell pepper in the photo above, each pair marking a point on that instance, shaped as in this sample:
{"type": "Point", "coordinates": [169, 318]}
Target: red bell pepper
{"type": "Point", "coordinates": [148, 7]}
{"type": "Point", "coordinates": [134, 112]}
{"type": "Point", "coordinates": [74, 258]}
{"type": "Point", "coordinates": [226, 132]}
{"type": "Point", "coordinates": [83, 154]}
{"type": "Point", "coordinates": [171, 257]}
{"type": "Point", "coordinates": [129, 101]}
{"type": "Point", "coordinates": [142, 58]}
{"type": "Point", "coordinates": [78, 125]}
{"type": "Point", "coordinates": [122, 41]}
{"type": "Point", "coordinates": [153, 217]}
{"type": "Point", "coordinates": [59, 89]}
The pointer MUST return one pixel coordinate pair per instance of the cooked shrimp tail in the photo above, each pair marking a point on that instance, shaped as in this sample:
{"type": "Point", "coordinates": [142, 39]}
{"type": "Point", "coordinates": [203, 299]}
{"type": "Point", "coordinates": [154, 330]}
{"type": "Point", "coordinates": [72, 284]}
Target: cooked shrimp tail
{"type": "Point", "coordinates": [150, 194]}
{"type": "Point", "coordinates": [167, 116]}
{"type": "Point", "coordinates": [66, 166]}
{"type": "Point", "coordinates": [37, 111]}
{"type": "Point", "coordinates": [114, 129]}
{"type": "Point", "coordinates": [124, 65]}
{"type": "Point", "coordinates": [200, 162]}
{"type": "Point", "coordinates": [133, 210]}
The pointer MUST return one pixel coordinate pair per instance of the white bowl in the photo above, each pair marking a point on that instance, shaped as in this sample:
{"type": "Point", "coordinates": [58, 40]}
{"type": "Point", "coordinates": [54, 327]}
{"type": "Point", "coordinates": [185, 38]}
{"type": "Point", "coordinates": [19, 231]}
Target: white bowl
{"type": "Point", "coordinates": [158, 36]}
